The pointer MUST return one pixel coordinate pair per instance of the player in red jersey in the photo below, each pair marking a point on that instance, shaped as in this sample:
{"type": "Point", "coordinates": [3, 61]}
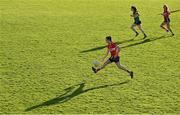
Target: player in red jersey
{"type": "Point", "coordinates": [166, 23]}
{"type": "Point", "coordinates": [114, 49]}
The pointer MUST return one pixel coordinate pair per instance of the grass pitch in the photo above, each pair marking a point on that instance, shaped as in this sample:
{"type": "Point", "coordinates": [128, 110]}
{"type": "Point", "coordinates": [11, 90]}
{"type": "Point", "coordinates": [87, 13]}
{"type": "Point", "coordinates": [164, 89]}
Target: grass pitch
{"type": "Point", "coordinates": [47, 48]}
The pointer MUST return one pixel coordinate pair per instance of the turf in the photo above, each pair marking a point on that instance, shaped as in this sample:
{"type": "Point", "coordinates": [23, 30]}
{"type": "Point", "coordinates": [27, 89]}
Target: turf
{"type": "Point", "coordinates": [47, 48]}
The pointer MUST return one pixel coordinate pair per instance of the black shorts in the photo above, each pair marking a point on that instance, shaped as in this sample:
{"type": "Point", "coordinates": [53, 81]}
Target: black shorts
{"type": "Point", "coordinates": [167, 21]}
{"type": "Point", "coordinates": [114, 59]}
{"type": "Point", "coordinates": [137, 22]}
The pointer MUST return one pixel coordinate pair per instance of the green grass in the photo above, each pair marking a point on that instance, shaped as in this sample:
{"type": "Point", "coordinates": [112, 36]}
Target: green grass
{"type": "Point", "coordinates": [42, 58]}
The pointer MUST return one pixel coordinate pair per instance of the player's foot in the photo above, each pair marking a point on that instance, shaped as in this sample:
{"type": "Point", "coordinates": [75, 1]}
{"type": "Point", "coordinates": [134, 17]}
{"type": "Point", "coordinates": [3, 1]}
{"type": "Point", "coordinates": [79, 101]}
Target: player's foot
{"type": "Point", "coordinates": [136, 34]}
{"type": "Point", "coordinates": [144, 36]}
{"type": "Point", "coordinates": [172, 34]}
{"type": "Point", "coordinates": [94, 70]}
{"type": "Point", "coordinates": [167, 30]}
{"type": "Point", "coordinates": [131, 74]}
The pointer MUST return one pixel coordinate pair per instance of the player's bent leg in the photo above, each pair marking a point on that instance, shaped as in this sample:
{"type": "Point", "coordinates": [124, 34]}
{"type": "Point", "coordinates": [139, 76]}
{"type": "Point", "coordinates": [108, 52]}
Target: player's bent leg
{"type": "Point", "coordinates": [133, 28]}
{"type": "Point", "coordinates": [103, 66]}
{"type": "Point", "coordinates": [163, 26]}
{"type": "Point", "coordinates": [125, 69]}
{"type": "Point", "coordinates": [121, 67]}
{"type": "Point", "coordinates": [140, 28]}
{"type": "Point", "coordinates": [169, 28]}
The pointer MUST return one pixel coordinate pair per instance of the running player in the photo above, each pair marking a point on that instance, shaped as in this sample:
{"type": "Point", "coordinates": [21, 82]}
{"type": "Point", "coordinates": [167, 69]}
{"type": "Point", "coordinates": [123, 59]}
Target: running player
{"type": "Point", "coordinates": [114, 50]}
{"type": "Point", "coordinates": [166, 23]}
{"type": "Point", "coordinates": [137, 21]}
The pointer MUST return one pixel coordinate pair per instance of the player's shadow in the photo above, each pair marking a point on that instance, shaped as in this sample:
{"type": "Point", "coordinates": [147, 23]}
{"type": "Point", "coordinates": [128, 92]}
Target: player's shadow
{"type": "Point", "coordinates": [102, 47]}
{"type": "Point", "coordinates": [70, 93]}
{"type": "Point", "coordinates": [130, 45]}
{"type": "Point", "coordinates": [146, 41]}
{"type": "Point", "coordinates": [175, 11]}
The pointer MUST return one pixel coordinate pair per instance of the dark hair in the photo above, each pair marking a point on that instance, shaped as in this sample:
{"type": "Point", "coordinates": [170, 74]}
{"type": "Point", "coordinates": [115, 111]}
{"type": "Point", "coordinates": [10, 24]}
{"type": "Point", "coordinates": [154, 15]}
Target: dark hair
{"type": "Point", "coordinates": [166, 9]}
{"type": "Point", "coordinates": [109, 38]}
{"type": "Point", "coordinates": [134, 9]}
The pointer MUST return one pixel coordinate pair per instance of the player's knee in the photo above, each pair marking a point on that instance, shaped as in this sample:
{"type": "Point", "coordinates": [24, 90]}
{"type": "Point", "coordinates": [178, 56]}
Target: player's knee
{"type": "Point", "coordinates": [140, 28]}
{"type": "Point", "coordinates": [119, 67]}
{"type": "Point", "coordinates": [103, 67]}
{"type": "Point", "coordinates": [132, 27]}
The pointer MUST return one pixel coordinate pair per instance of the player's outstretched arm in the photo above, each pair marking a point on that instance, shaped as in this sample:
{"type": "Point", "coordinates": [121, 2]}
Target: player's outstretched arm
{"type": "Point", "coordinates": [105, 55]}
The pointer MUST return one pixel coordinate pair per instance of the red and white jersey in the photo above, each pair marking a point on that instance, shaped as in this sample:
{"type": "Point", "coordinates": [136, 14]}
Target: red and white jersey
{"type": "Point", "coordinates": [112, 47]}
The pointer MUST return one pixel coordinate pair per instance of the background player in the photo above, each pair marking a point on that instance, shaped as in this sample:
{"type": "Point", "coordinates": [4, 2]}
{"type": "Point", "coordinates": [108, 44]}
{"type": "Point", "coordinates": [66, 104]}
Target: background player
{"type": "Point", "coordinates": [166, 23]}
{"type": "Point", "coordinates": [137, 21]}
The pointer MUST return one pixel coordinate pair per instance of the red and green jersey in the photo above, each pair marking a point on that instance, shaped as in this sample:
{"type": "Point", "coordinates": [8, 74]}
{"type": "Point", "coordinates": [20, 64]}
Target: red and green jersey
{"type": "Point", "coordinates": [166, 16]}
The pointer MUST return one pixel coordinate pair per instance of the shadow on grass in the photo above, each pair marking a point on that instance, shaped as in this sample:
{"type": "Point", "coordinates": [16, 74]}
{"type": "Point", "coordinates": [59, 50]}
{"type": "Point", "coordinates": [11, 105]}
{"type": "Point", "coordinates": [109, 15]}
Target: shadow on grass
{"type": "Point", "coordinates": [130, 45]}
{"type": "Point", "coordinates": [146, 41]}
{"type": "Point", "coordinates": [175, 11]}
{"type": "Point", "coordinates": [70, 93]}
{"type": "Point", "coordinates": [102, 47]}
